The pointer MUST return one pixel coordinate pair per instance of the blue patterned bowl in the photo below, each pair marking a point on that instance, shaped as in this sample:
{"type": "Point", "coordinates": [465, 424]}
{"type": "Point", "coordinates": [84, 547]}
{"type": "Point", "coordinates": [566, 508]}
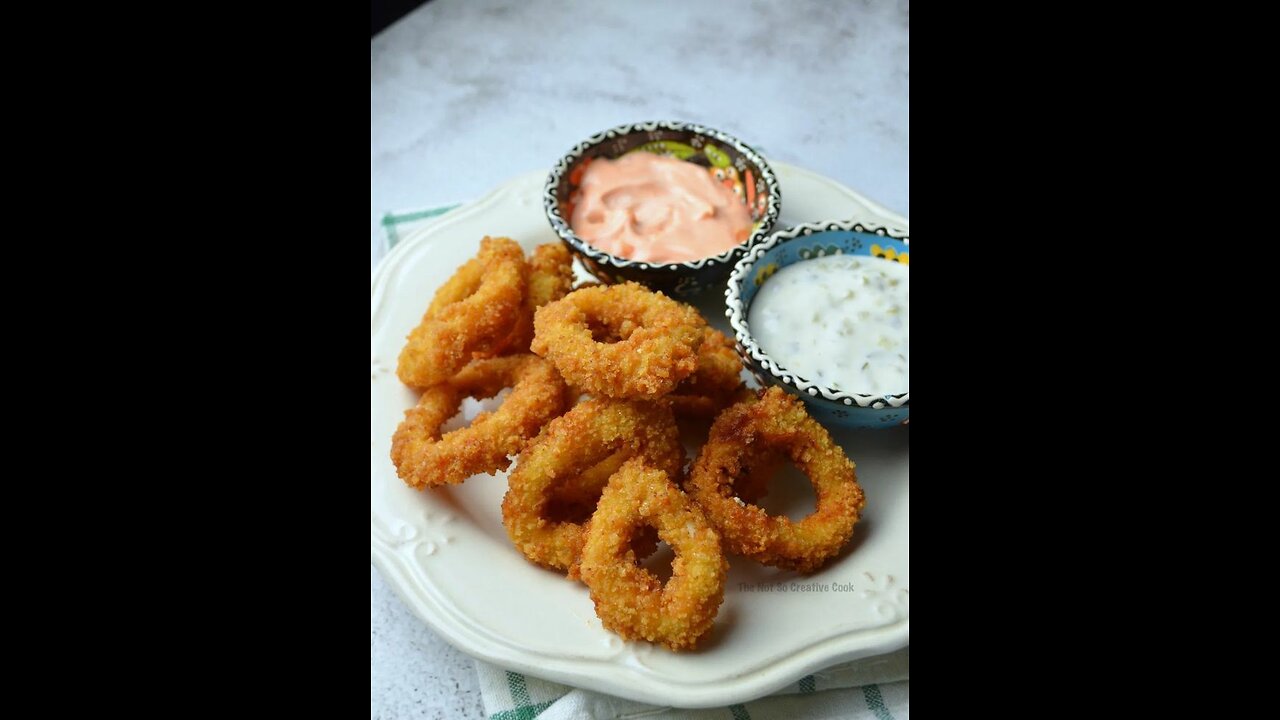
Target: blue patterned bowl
{"type": "Point", "coordinates": [728, 159]}
{"type": "Point", "coordinates": [797, 244]}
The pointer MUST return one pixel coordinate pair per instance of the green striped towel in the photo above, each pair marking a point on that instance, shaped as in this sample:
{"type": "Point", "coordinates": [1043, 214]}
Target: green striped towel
{"type": "Point", "coordinates": [876, 687]}
{"type": "Point", "coordinates": [397, 224]}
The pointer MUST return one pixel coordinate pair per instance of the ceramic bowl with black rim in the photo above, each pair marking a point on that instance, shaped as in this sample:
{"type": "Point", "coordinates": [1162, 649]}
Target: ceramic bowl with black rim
{"type": "Point", "coordinates": [726, 158]}
{"type": "Point", "coordinates": [799, 244]}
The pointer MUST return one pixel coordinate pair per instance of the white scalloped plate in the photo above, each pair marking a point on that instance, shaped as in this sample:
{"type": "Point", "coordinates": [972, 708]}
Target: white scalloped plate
{"type": "Point", "coordinates": [447, 555]}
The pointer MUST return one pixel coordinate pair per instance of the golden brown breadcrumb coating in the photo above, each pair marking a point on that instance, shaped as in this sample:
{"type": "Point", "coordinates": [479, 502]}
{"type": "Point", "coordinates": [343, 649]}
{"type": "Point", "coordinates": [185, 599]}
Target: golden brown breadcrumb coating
{"type": "Point", "coordinates": [470, 315]}
{"type": "Point", "coordinates": [715, 384]}
{"type": "Point", "coordinates": [629, 599]}
{"type": "Point", "coordinates": [650, 341]}
{"type": "Point", "coordinates": [777, 421]}
{"type": "Point", "coordinates": [423, 457]}
{"type": "Point", "coordinates": [550, 278]}
{"type": "Point", "coordinates": [577, 453]}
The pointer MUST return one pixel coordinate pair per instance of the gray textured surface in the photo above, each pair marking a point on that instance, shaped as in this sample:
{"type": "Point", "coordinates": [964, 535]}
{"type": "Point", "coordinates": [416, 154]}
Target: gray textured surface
{"type": "Point", "coordinates": [464, 95]}
{"type": "Point", "coordinates": [414, 674]}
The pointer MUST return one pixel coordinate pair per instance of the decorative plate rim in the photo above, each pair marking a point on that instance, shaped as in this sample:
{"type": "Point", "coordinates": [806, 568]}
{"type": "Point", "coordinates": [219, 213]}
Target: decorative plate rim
{"type": "Point", "coordinates": [562, 228]}
{"type": "Point", "coordinates": [462, 632]}
{"type": "Point", "coordinates": [737, 314]}
{"type": "Point", "coordinates": [393, 546]}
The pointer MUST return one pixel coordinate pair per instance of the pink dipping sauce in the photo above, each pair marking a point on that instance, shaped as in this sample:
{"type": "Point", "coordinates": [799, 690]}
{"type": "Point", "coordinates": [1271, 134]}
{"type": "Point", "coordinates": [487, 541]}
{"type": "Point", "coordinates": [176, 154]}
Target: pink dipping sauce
{"type": "Point", "coordinates": [657, 209]}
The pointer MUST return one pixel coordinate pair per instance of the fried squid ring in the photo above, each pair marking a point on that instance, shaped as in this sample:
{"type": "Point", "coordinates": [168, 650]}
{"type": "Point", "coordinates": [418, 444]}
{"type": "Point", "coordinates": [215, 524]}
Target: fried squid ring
{"type": "Point", "coordinates": [715, 384]}
{"type": "Point", "coordinates": [425, 458]}
{"type": "Point", "coordinates": [630, 600]}
{"type": "Point", "coordinates": [739, 436]}
{"type": "Point", "coordinates": [472, 314]}
{"type": "Point", "coordinates": [656, 346]}
{"type": "Point", "coordinates": [574, 501]}
{"type": "Point", "coordinates": [579, 451]}
{"type": "Point", "coordinates": [550, 278]}
{"type": "Point", "coordinates": [757, 468]}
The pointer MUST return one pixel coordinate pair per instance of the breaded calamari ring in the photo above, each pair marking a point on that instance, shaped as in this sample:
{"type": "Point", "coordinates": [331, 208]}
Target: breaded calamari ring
{"type": "Point", "coordinates": [778, 422]}
{"type": "Point", "coordinates": [425, 458]}
{"type": "Point", "coordinates": [758, 467]}
{"type": "Point", "coordinates": [471, 314]}
{"type": "Point", "coordinates": [581, 449]}
{"type": "Point", "coordinates": [630, 600]}
{"type": "Point", "coordinates": [717, 382]}
{"type": "Point", "coordinates": [656, 346]}
{"type": "Point", "coordinates": [550, 278]}
{"type": "Point", "coordinates": [574, 501]}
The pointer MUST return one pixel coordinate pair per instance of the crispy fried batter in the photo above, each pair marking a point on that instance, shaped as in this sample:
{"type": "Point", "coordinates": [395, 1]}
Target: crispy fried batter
{"type": "Point", "coordinates": [471, 314]}
{"type": "Point", "coordinates": [776, 422]}
{"type": "Point", "coordinates": [424, 458]}
{"type": "Point", "coordinates": [650, 342]}
{"type": "Point", "coordinates": [629, 599]}
{"type": "Point", "coordinates": [550, 278]}
{"type": "Point", "coordinates": [578, 452]}
{"type": "Point", "coordinates": [717, 382]}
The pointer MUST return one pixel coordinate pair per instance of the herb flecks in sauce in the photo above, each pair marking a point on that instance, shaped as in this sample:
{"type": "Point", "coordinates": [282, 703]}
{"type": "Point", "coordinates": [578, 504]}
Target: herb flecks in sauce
{"type": "Point", "coordinates": [840, 320]}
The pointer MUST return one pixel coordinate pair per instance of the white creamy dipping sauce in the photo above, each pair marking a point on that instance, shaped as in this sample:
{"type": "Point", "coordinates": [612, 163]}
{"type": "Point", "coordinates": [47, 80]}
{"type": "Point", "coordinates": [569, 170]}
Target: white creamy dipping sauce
{"type": "Point", "coordinates": [840, 321]}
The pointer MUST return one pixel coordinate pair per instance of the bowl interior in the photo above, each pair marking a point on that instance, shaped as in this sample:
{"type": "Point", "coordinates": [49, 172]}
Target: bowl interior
{"type": "Point", "coordinates": [819, 244]}
{"type": "Point", "coordinates": [727, 163]}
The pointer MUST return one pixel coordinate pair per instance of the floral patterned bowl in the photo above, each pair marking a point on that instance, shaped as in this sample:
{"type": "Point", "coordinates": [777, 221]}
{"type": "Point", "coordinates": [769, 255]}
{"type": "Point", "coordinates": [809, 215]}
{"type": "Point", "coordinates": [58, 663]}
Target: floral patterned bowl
{"type": "Point", "coordinates": [728, 159]}
{"type": "Point", "coordinates": [797, 244]}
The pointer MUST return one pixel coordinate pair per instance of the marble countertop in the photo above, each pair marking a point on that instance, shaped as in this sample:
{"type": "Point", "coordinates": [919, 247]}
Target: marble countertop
{"type": "Point", "coordinates": [465, 94]}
